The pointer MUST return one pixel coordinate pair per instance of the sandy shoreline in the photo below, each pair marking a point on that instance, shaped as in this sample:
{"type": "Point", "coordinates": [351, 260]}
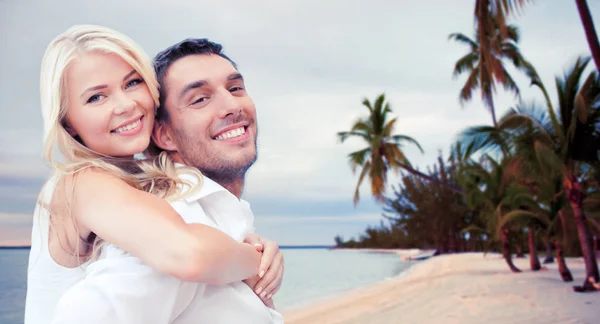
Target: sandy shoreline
{"type": "Point", "coordinates": [463, 288]}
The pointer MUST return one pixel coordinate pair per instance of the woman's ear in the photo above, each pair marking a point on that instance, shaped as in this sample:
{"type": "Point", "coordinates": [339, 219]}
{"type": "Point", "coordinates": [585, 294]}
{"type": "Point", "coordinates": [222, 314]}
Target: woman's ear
{"type": "Point", "coordinates": [161, 135]}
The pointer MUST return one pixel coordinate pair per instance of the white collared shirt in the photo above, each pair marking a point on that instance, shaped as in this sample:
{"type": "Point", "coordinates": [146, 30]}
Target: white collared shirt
{"type": "Point", "coordinates": [119, 288]}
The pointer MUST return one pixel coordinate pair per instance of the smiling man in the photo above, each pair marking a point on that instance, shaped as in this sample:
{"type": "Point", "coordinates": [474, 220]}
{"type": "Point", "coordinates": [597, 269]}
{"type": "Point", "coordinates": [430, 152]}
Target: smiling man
{"type": "Point", "coordinates": [207, 119]}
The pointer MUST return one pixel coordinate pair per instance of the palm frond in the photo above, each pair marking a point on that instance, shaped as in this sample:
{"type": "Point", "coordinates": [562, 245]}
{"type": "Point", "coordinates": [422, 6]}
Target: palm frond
{"type": "Point", "coordinates": [342, 136]}
{"type": "Point", "coordinates": [464, 39]}
{"type": "Point", "coordinates": [524, 216]}
{"type": "Point", "coordinates": [366, 170]}
{"type": "Point", "coordinates": [472, 84]}
{"type": "Point", "coordinates": [389, 127]}
{"type": "Point", "coordinates": [358, 158]}
{"type": "Point", "coordinates": [548, 160]}
{"type": "Point", "coordinates": [484, 139]}
{"type": "Point", "coordinates": [465, 63]}
{"type": "Point", "coordinates": [399, 139]}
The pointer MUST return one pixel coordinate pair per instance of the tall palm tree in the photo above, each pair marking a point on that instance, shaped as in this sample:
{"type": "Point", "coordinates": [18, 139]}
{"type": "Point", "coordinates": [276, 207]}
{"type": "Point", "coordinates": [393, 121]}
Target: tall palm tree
{"type": "Point", "coordinates": [568, 142]}
{"type": "Point", "coordinates": [485, 75]}
{"type": "Point", "coordinates": [492, 14]}
{"type": "Point", "coordinates": [590, 30]}
{"type": "Point", "coordinates": [383, 151]}
{"type": "Point", "coordinates": [490, 21]}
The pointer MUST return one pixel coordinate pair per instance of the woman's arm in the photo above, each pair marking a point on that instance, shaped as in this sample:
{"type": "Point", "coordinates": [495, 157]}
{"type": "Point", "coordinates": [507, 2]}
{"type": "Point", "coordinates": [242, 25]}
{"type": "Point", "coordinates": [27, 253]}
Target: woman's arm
{"type": "Point", "coordinates": [147, 227]}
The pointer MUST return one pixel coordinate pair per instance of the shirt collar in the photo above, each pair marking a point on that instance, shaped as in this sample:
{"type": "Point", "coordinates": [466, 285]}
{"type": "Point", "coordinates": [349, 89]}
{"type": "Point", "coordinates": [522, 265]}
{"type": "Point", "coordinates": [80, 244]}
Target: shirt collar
{"type": "Point", "coordinates": [207, 188]}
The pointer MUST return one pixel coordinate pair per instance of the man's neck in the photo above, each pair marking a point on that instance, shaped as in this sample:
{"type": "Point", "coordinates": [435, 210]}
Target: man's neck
{"type": "Point", "coordinates": [232, 181]}
{"type": "Point", "coordinates": [235, 186]}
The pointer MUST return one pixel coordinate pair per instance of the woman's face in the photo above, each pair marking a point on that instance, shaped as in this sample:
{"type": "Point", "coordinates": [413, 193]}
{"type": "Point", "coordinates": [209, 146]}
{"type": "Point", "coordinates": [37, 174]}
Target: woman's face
{"type": "Point", "coordinates": [109, 106]}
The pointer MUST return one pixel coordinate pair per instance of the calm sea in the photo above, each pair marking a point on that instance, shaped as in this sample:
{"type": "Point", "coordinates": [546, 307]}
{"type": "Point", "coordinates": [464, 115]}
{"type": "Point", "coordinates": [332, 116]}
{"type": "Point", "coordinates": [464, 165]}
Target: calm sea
{"type": "Point", "coordinates": [310, 275]}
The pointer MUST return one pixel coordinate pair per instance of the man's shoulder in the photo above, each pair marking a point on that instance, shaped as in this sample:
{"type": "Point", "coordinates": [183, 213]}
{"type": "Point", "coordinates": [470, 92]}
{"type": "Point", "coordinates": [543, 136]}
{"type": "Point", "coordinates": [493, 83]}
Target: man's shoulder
{"type": "Point", "coordinates": [190, 211]}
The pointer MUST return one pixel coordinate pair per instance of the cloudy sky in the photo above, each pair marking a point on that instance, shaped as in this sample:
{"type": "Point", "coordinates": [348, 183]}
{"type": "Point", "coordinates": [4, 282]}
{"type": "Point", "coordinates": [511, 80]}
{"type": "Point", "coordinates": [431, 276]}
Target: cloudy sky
{"type": "Point", "coordinates": [308, 65]}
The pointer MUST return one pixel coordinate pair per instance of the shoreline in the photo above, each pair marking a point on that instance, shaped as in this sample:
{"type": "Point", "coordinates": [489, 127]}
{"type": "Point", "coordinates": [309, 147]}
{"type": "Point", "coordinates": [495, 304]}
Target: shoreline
{"type": "Point", "coordinates": [341, 291]}
{"type": "Point", "coordinates": [461, 288]}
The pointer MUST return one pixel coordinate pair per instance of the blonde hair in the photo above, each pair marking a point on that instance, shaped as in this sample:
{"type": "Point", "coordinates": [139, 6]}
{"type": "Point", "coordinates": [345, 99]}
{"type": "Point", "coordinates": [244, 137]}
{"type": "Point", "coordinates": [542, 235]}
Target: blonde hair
{"type": "Point", "coordinates": [158, 175]}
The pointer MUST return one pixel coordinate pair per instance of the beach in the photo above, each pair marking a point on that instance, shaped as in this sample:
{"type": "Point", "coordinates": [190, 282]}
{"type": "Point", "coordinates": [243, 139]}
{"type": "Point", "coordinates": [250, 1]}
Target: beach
{"type": "Point", "coordinates": [462, 288]}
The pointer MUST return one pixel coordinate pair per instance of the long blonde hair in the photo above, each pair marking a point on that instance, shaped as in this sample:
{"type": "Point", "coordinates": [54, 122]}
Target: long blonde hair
{"type": "Point", "coordinates": [158, 175]}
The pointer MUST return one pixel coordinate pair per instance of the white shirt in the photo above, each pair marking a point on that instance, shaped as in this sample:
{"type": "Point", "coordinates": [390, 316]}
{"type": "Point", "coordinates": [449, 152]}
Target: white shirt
{"type": "Point", "coordinates": [119, 288]}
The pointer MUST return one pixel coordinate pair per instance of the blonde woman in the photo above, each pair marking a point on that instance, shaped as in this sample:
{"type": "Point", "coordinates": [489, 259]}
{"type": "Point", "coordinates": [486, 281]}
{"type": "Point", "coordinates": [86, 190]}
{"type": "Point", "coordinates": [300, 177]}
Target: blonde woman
{"type": "Point", "coordinates": [99, 94]}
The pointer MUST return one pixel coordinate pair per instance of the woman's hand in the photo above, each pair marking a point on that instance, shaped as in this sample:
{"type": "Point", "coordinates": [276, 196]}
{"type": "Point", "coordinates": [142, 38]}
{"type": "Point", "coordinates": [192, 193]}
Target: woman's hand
{"type": "Point", "coordinates": [270, 275]}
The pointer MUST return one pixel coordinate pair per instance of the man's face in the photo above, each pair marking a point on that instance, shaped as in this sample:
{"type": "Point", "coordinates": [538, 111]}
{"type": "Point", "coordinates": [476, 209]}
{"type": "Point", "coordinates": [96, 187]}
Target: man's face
{"type": "Point", "coordinates": [212, 120]}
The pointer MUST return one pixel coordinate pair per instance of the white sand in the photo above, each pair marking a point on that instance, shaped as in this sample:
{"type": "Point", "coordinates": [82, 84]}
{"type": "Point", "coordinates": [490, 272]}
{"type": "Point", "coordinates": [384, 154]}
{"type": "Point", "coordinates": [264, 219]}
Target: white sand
{"type": "Point", "coordinates": [463, 288]}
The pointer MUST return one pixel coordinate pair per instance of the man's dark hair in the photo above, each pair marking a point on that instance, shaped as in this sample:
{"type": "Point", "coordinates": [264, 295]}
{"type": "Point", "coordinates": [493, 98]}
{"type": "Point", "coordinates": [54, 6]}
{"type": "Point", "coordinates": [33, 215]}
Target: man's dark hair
{"type": "Point", "coordinates": [164, 59]}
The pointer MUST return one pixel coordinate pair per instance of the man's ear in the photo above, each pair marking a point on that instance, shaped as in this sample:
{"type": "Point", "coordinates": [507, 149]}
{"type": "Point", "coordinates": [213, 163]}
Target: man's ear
{"type": "Point", "coordinates": [161, 135]}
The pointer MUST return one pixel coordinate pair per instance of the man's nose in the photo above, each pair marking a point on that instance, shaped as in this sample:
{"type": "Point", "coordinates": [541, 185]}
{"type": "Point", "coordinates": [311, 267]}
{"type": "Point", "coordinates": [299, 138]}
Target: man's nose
{"type": "Point", "coordinates": [123, 103]}
{"type": "Point", "coordinates": [229, 105]}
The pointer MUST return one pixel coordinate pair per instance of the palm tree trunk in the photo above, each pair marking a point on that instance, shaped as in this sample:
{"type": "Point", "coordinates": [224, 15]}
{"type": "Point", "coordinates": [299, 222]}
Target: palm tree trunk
{"type": "Point", "coordinates": [590, 30]}
{"type": "Point", "coordinates": [563, 226]}
{"type": "Point", "coordinates": [506, 251]}
{"type": "Point", "coordinates": [575, 196]}
{"type": "Point", "coordinates": [520, 253]}
{"type": "Point", "coordinates": [493, 112]}
{"type": "Point", "coordinates": [564, 271]}
{"type": "Point", "coordinates": [534, 262]}
{"type": "Point", "coordinates": [549, 257]}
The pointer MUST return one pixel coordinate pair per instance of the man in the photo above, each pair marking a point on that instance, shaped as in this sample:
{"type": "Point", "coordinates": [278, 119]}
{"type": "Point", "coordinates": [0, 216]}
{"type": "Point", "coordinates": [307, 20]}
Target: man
{"type": "Point", "coordinates": [206, 121]}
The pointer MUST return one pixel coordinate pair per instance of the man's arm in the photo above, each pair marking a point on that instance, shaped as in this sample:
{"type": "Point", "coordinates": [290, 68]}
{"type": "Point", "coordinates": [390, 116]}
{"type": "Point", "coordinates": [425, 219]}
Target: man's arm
{"type": "Point", "coordinates": [121, 289]}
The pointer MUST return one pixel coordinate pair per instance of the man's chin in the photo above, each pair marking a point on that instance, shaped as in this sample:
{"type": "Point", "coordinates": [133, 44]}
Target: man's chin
{"type": "Point", "coordinates": [241, 163]}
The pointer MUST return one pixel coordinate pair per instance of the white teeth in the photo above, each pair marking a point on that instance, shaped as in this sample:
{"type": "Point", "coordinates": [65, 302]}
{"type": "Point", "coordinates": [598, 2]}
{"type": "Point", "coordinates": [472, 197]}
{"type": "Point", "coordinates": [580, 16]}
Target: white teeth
{"type": "Point", "coordinates": [231, 134]}
{"type": "Point", "coordinates": [128, 127]}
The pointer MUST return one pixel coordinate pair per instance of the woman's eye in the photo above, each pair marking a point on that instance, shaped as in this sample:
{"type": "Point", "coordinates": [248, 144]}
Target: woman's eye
{"type": "Point", "coordinates": [95, 98]}
{"type": "Point", "coordinates": [133, 83]}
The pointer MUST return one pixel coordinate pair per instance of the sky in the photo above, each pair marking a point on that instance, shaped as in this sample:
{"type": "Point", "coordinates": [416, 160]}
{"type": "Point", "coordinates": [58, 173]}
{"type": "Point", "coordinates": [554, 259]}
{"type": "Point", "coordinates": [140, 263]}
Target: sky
{"type": "Point", "coordinates": [308, 65]}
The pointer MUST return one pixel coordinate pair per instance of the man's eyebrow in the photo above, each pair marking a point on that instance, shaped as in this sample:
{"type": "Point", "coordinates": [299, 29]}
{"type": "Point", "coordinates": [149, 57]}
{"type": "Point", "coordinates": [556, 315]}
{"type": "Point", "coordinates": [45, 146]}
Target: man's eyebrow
{"type": "Point", "coordinates": [192, 86]}
{"type": "Point", "coordinates": [104, 86]}
{"type": "Point", "coordinates": [235, 76]}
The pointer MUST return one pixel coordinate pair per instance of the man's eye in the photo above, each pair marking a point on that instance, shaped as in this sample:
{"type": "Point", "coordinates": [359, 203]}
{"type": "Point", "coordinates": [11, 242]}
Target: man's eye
{"type": "Point", "coordinates": [234, 89]}
{"type": "Point", "coordinates": [199, 100]}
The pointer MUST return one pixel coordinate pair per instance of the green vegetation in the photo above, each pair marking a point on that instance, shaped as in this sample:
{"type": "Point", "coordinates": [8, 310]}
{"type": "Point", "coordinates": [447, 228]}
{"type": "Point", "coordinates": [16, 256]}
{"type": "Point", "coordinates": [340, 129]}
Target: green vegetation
{"type": "Point", "coordinates": [531, 179]}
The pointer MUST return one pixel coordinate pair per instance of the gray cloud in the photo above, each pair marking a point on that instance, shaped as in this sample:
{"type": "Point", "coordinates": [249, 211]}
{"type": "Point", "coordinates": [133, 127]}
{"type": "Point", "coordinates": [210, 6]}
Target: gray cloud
{"type": "Point", "coordinates": [308, 65]}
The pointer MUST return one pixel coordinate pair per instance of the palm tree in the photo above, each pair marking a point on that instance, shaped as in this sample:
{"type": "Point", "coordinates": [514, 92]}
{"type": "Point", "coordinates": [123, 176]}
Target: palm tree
{"type": "Point", "coordinates": [568, 144]}
{"type": "Point", "coordinates": [490, 21]}
{"type": "Point", "coordinates": [486, 74]}
{"type": "Point", "coordinates": [492, 14]}
{"type": "Point", "coordinates": [490, 188]}
{"type": "Point", "coordinates": [590, 30]}
{"type": "Point", "coordinates": [543, 209]}
{"type": "Point", "coordinates": [383, 151]}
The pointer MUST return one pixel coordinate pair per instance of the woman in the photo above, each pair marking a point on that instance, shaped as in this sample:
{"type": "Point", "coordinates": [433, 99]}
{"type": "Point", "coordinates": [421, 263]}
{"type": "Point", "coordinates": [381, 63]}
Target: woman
{"type": "Point", "coordinates": [92, 78]}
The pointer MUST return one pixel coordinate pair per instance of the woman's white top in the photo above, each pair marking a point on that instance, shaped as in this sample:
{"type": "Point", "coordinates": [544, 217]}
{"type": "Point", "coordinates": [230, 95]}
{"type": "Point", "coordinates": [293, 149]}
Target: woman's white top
{"type": "Point", "coordinates": [47, 280]}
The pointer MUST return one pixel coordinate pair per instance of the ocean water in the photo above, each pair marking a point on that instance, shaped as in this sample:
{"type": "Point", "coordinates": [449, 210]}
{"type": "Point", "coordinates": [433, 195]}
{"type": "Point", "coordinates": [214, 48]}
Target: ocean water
{"type": "Point", "coordinates": [13, 282]}
{"type": "Point", "coordinates": [310, 275]}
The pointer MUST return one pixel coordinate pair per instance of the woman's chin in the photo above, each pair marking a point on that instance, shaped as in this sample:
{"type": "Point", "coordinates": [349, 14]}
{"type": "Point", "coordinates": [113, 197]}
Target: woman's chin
{"type": "Point", "coordinates": [136, 152]}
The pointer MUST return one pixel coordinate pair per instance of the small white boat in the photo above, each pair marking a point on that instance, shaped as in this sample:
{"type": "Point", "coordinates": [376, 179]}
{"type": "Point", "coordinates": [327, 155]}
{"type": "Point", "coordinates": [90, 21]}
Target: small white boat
{"type": "Point", "coordinates": [421, 255]}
